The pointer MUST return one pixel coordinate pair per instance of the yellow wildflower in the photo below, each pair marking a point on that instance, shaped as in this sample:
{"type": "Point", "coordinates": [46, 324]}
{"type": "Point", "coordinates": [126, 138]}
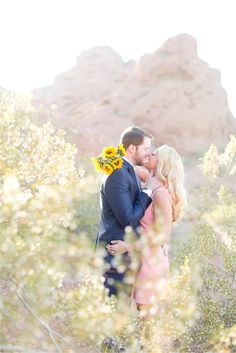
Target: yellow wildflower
{"type": "Point", "coordinates": [117, 163]}
{"type": "Point", "coordinates": [122, 149]}
{"type": "Point", "coordinates": [107, 169]}
{"type": "Point", "coordinates": [109, 151]}
{"type": "Point", "coordinates": [96, 164]}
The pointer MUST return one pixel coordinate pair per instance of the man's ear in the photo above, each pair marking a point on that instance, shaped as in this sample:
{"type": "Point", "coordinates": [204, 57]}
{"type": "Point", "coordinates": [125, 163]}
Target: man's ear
{"type": "Point", "coordinates": [132, 149]}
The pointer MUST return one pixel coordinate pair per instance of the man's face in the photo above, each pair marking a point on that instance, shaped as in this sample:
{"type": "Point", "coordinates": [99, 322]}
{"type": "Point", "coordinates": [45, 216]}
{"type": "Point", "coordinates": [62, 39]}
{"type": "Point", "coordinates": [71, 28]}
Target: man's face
{"type": "Point", "coordinates": [142, 152]}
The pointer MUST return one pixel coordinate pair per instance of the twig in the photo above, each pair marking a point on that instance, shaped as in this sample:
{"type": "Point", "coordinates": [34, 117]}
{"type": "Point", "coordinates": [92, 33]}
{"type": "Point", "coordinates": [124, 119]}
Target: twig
{"type": "Point", "coordinates": [229, 166]}
{"type": "Point", "coordinates": [223, 236]}
{"type": "Point", "coordinates": [43, 323]}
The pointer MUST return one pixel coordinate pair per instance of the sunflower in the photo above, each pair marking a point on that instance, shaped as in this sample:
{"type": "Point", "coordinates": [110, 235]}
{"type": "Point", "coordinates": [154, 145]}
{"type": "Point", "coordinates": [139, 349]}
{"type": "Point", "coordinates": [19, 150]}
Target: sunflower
{"type": "Point", "coordinates": [109, 151]}
{"type": "Point", "coordinates": [110, 159]}
{"type": "Point", "coordinates": [107, 169]}
{"type": "Point", "coordinates": [96, 164]}
{"type": "Point", "coordinates": [121, 149]}
{"type": "Point", "coordinates": [117, 163]}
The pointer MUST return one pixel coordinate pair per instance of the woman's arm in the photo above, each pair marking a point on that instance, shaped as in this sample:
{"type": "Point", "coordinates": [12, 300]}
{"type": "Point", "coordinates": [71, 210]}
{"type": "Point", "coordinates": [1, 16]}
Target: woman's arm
{"type": "Point", "coordinates": [142, 172]}
{"type": "Point", "coordinates": [163, 208]}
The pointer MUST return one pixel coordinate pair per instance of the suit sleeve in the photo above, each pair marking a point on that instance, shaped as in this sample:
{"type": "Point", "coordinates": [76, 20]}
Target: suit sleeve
{"type": "Point", "coordinates": [118, 195]}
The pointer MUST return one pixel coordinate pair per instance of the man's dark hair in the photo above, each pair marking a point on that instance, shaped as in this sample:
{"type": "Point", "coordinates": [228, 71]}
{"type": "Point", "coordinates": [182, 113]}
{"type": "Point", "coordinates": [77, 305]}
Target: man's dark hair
{"type": "Point", "coordinates": [134, 136]}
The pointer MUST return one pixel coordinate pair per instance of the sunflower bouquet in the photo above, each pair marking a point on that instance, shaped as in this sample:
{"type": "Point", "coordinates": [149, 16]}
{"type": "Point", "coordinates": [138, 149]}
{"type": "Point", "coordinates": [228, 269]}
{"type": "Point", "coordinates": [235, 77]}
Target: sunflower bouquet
{"type": "Point", "coordinates": [110, 159]}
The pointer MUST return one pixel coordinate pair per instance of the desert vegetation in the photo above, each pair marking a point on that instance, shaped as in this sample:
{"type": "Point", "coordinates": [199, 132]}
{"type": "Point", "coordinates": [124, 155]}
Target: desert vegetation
{"type": "Point", "coordinates": [52, 293]}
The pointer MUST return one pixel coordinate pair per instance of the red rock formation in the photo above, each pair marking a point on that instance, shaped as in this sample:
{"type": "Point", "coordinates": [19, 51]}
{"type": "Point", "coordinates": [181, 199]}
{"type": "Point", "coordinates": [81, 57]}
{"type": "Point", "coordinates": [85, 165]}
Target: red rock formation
{"type": "Point", "coordinates": [171, 93]}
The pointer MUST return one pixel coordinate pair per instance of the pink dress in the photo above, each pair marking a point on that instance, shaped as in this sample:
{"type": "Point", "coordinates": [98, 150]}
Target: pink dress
{"type": "Point", "coordinates": [154, 263]}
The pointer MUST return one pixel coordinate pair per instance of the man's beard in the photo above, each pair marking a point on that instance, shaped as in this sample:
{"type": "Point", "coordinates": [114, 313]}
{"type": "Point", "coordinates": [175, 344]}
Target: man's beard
{"type": "Point", "coordinates": [138, 161]}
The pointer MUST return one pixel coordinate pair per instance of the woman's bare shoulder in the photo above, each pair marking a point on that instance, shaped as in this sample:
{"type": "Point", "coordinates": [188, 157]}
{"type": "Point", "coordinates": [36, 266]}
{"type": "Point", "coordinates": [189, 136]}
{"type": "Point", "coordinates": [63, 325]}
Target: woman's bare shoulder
{"type": "Point", "coordinates": [157, 184]}
{"type": "Point", "coordinates": [161, 191]}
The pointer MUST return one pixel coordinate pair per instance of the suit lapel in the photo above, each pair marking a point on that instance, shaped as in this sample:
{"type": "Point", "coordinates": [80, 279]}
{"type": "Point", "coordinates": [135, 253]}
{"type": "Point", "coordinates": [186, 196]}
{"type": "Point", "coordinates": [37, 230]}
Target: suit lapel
{"type": "Point", "coordinates": [132, 172]}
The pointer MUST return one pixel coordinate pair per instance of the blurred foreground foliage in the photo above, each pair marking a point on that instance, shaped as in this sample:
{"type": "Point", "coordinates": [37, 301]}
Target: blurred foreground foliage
{"type": "Point", "coordinates": [52, 293]}
{"type": "Point", "coordinates": [211, 245]}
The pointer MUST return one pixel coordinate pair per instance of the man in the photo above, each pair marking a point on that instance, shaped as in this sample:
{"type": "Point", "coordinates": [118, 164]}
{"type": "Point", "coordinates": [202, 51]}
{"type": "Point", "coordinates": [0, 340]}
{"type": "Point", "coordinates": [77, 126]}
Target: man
{"type": "Point", "coordinates": [123, 202]}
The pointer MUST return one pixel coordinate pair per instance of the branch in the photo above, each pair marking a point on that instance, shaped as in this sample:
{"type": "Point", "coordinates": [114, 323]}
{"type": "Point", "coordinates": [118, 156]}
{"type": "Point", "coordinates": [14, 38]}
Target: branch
{"type": "Point", "coordinates": [223, 236]}
{"type": "Point", "coordinates": [229, 166]}
{"type": "Point", "coordinates": [43, 323]}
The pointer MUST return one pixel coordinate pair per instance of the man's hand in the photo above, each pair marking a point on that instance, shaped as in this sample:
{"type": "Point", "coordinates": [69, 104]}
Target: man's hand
{"type": "Point", "coordinates": [117, 247]}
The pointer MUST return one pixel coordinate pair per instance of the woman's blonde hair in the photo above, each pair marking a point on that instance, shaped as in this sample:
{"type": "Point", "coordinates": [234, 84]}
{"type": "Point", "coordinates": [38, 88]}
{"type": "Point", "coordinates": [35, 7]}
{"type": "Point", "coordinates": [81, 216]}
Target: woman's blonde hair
{"type": "Point", "coordinates": [170, 171]}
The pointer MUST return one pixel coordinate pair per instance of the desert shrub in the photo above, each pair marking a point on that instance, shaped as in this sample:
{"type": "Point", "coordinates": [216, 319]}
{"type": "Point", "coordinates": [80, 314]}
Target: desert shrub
{"type": "Point", "coordinates": [225, 341]}
{"type": "Point", "coordinates": [53, 298]}
{"type": "Point", "coordinates": [46, 241]}
{"type": "Point", "coordinates": [211, 245]}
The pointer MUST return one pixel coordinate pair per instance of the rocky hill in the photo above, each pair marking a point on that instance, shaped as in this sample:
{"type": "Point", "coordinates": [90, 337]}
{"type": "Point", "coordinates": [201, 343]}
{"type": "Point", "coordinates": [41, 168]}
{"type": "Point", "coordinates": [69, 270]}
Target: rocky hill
{"type": "Point", "coordinates": [172, 93]}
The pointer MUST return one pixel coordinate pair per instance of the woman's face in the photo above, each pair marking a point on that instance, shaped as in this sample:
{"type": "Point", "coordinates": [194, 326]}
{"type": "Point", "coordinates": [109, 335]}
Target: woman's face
{"type": "Point", "coordinates": [151, 164]}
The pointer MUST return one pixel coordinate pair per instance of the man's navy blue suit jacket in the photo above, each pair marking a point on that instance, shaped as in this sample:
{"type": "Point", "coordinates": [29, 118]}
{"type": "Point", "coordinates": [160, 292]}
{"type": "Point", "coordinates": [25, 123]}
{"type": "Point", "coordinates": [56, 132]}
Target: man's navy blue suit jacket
{"type": "Point", "coordinates": [122, 204]}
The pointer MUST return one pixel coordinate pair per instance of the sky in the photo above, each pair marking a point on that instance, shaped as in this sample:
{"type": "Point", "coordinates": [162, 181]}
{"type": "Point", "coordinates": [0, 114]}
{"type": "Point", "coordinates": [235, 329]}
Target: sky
{"type": "Point", "coordinates": [42, 38]}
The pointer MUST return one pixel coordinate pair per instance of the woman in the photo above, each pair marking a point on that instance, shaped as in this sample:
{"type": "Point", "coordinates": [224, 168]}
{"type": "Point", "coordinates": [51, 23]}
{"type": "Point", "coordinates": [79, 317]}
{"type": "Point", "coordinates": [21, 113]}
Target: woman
{"type": "Point", "coordinates": [169, 203]}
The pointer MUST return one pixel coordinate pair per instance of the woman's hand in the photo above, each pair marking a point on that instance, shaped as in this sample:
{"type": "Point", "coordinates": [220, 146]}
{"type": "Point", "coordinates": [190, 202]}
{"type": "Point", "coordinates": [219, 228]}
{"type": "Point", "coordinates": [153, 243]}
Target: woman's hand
{"type": "Point", "coordinates": [117, 247]}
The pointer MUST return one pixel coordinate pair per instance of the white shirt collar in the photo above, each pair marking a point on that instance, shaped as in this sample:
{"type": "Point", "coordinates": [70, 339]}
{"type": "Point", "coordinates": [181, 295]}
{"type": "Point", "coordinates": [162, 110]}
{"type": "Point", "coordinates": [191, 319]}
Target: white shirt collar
{"type": "Point", "coordinates": [128, 161]}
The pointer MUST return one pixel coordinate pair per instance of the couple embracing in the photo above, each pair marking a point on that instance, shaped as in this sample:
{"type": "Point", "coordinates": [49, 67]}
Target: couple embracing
{"type": "Point", "coordinates": [149, 185]}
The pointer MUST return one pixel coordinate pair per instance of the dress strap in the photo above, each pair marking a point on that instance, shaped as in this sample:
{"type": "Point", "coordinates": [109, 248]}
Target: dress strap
{"type": "Point", "coordinates": [164, 189]}
{"type": "Point", "coordinates": [159, 187]}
